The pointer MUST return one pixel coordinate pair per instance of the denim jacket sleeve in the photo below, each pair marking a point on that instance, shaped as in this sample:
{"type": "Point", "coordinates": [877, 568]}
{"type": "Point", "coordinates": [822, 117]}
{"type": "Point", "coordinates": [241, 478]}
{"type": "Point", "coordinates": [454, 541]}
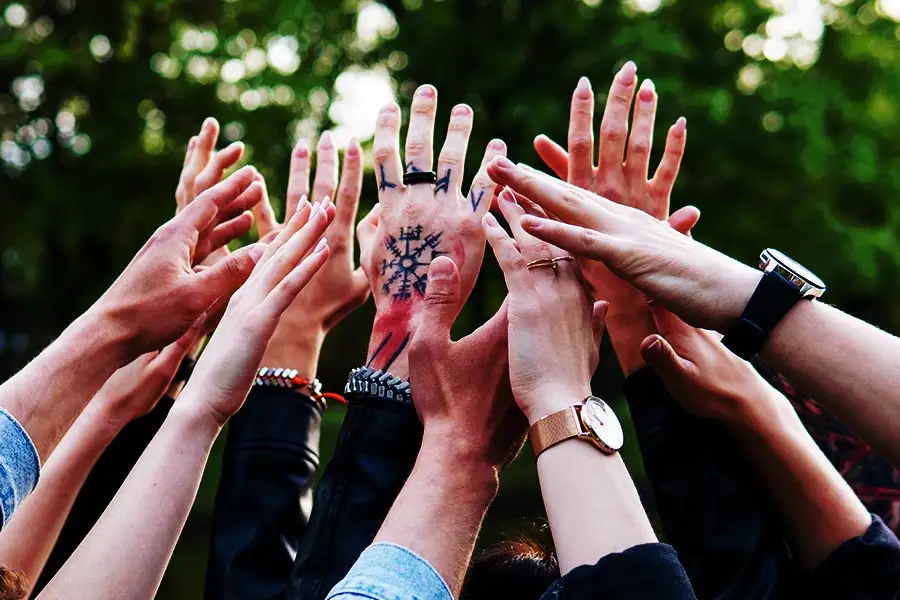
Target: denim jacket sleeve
{"type": "Point", "coordinates": [373, 457]}
{"type": "Point", "coordinates": [264, 497]}
{"type": "Point", "coordinates": [713, 509]}
{"type": "Point", "coordinates": [20, 466]}
{"type": "Point", "coordinates": [647, 571]}
{"type": "Point", "coordinates": [391, 572]}
{"type": "Point", "coordinates": [864, 568]}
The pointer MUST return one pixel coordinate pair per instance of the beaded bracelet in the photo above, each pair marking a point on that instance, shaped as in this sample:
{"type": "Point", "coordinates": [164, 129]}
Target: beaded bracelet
{"type": "Point", "coordinates": [289, 379]}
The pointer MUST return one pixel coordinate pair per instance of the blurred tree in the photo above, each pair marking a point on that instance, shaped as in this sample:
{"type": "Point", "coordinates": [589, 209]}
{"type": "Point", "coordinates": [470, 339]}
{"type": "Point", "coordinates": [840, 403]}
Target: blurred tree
{"type": "Point", "coordinates": [792, 109]}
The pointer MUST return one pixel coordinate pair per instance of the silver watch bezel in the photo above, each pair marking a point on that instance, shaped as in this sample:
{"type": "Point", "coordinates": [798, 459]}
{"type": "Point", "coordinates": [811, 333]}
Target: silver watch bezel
{"type": "Point", "coordinates": [807, 283]}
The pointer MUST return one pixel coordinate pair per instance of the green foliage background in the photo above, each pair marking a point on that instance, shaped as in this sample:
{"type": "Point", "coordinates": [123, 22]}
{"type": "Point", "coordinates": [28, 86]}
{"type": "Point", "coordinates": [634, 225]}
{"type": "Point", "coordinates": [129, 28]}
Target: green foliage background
{"type": "Point", "coordinates": [796, 154]}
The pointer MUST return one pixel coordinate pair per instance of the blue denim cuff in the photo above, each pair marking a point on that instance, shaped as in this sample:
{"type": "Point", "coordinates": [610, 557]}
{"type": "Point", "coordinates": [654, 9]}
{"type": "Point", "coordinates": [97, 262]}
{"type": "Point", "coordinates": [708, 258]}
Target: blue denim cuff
{"type": "Point", "coordinates": [391, 572]}
{"type": "Point", "coordinates": [20, 465]}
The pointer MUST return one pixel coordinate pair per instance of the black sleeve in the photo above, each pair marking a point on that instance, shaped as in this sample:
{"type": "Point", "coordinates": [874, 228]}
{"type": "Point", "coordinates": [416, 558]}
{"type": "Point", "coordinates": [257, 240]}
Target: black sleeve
{"type": "Point", "coordinates": [713, 509]}
{"type": "Point", "coordinates": [264, 496]}
{"type": "Point", "coordinates": [864, 568]}
{"type": "Point", "coordinates": [650, 571]}
{"type": "Point", "coordinates": [374, 455]}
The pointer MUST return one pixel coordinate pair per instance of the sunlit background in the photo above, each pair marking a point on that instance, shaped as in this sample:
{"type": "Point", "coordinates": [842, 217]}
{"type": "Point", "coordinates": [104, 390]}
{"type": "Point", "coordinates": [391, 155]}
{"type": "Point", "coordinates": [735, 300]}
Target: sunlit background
{"type": "Point", "coordinates": [792, 109]}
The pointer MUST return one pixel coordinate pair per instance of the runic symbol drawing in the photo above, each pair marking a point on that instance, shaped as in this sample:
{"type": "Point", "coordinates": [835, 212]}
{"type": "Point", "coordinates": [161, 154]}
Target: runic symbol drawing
{"type": "Point", "coordinates": [410, 255]}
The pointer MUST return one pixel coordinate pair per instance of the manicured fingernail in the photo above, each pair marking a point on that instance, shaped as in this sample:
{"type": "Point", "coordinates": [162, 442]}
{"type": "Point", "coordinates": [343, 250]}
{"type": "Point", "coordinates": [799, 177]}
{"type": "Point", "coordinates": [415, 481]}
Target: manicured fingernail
{"type": "Point", "coordinates": [440, 268]}
{"type": "Point", "coordinates": [507, 196]}
{"type": "Point", "coordinates": [490, 220]}
{"type": "Point", "coordinates": [461, 110]}
{"type": "Point", "coordinates": [531, 222]}
{"type": "Point", "coordinates": [325, 140]}
{"type": "Point", "coordinates": [497, 144]}
{"type": "Point", "coordinates": [648, 89]}
{"type": "Point", "coordinates": [626, 73]}
{"type": "Point", "coordinates": [301, 148]}
{"type": "Point", "coordinates": [502, 163]}
{"type": "Point", "coordinates": [584, 87]}
{"type": "Point", "coordinates": [656, 346]}
{"type": "Point", "coordinates": [426, 91]}
{"type": "Point", "coordinates": [680, 127]}
{"type": "Point", "coordinates": [315, 209]}
{"type": "Point", "coordinates": [323, 243]}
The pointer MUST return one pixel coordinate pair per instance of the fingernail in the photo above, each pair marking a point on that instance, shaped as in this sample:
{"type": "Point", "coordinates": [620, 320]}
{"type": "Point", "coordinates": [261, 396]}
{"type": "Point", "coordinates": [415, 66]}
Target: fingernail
{"type": "Point", "coordinates": [426, 91]}
{"type": "Point", "coordinates": [497, 144]}
{"type": "Point", "coordinates": [502, 163]}
{"type": "Point", "coordinates": [323, 243]}
{"type": "Point", "coordinates": [391, 107]}
{"type": "Point", "coordinates": [531, 222]}
{"type": "Point", "coordinates": [192, 143]}
{"type": "Point", "coordinates": [440, 268]}
{"type": "Point", "coordinates": [301, 149]}
{"type": "Point", "coordinates": [584, 86]}
{"type": "Point", "coordinates": [507, 196]}
{"type": "Point", "coordinates": [461, 110]}
{"type": "Point", "coordinates": [325, 140]}
{"type": "Point", "coordinates": [656, 346]}
{"type": "Point", "coordinates": [208, 122]}
{"type": "Point", "coordinates": [352, 146]}
{"type": "Point", "coordinates": [315, 209]}
{"type": "Point", "coordinates": [648, 89]}
{"type": "Point", "coordinates": [680, 127]}
{"type": "Point", "coordinates": [626, 73]}
{"type": "Point", "coordinates": [490, 220]}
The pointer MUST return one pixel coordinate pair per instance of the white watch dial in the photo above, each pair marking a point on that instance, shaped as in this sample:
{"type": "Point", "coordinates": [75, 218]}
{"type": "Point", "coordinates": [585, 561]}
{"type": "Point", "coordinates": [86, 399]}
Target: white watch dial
{"type": "Point", "coordinates": [602, 422]}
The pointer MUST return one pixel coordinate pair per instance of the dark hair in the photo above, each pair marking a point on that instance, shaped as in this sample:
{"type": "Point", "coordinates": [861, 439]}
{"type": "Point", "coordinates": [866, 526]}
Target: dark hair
{"type": "Point", "coordinates": [13, 584]}
{"type": "Point", "coordinates": [521, 568]}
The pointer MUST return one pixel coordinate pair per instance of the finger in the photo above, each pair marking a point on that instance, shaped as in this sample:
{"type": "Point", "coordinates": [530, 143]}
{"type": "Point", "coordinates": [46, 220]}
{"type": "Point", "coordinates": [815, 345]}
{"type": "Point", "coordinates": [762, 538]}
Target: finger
{"type": "Point", "coordinates": [388, 171]}
{"type": "Point", "coordinates": [662, 358]}
{"type": "Point", "coordinates": [300, 218]}
{"type": "Point", "coordinates": [637, 164]}
{"type": "Point", "coordinates": [453, 155]}
{"type": "Point", "coordinates": [190, 150]}
{"type": "Point", "coordinates": [264, 214]}
{"type": "Point", "coordinates": [528, 206]}
{"type": "Point", "coordinates": [508, 256]}
{"type": "Point", "coordinates": [298, 179]}
{"type": "Point", "coordinates": [598, 322]}
{"type": "Point", "coordinates": [614, 126]}
{"type": "Point", "coordinates": [201, 155]}
{"type": "Point", "coordinates": [530, 247]}
{"type": "Point", "coordinates": [222, 160]}
{"type": "Point", "coordinates": [249, 198]}
{"type": "Point", "coordinates": [358, 293]}
{"type": "Point", "coordinates": [326, 181]}
{"type": "Point", "coordinates": [297, 246]}
{"type": "Point", "coordinates": [419, 154]}
{"type": "Point", "coordinates": [228, 190]}
{"type": "Point", "coordinates": [580, 241]}
{"type": "Point", "coordinates": [553, 155]}
{"type": "Point", "coordinates": [483, 187]}
{"type": "Point", "coordinates": [286, 290]}
{"type": "Point", "coordinates": [554, 196]}
{"type": "Point", "coordinates": [442, 304]}
{"type": "Point", "coordinates": [664, 179]}
{"type": "Point", "coordinates": [365, 231]}
{"type": "Point", "coordinates": [581, 136]}
{"type": "Point", "coordinates": [349, 190]}
{"type": "Point", "coordinates": [228, 231]}
{"type": "Point", "coordinates": [182, 191]}
{"type": "Point", "coordinates": [227, 275]}
{"type": "Point", "coordinates": [684, 219]}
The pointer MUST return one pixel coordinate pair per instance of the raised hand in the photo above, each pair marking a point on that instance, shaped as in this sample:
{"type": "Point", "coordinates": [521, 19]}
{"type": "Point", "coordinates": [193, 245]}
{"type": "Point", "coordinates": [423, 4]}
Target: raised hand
{"type": "Point", "coordinates": [233, 355]}
{"type": "Point", "coordinates": [704, 287]}
{"type": "Point", "coordinates": [161, 293]}
{"type": "Point", "coordinates": [421, 222]}
{"type": "Point", "coordinates": [339, 288]}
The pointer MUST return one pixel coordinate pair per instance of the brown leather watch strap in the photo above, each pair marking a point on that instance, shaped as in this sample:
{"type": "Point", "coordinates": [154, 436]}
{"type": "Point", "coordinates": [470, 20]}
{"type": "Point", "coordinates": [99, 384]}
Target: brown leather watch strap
{"type": "Point", "coordinates": [555, 428]}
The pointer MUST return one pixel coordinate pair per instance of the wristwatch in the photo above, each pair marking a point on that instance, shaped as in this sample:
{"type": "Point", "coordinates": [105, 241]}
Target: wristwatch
{"type": "Point", "coordinates": [591, 420]}
{"type": "Point", "coordinates": [378, 383]}
{"type": "Point", "coordinates": [784, 283]}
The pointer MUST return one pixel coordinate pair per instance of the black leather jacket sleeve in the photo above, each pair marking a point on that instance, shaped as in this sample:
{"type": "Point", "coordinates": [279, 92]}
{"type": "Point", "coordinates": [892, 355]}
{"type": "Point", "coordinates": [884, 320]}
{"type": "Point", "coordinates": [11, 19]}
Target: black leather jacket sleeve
{"type": "Point", "coordinates": [265, 495]}
{"type": "Point", "coordinates": [713, 509]}
{"type": "Point", "coordinates": [374, 455]}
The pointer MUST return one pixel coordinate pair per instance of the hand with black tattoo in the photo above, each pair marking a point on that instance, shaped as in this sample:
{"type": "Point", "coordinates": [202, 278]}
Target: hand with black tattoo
{"type": "Point", "coordinates": [419, 222]}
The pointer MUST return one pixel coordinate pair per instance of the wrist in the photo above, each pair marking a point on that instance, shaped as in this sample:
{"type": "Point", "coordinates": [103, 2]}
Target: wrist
{"type": "Point", "coordinates": [101, 332]}
{"type": "Point", "coordinates": [734, 297]}
{"type": "Point", "coordinates": [550, 398]}
{"type": "Point", "coordinates": [458, 462]}
{"type": "Point", "coordinates": [195, 419]}
{"type": "Point", "coordinates": [392, 331]}
{"type": "Point", "coordinates": [295, 349]}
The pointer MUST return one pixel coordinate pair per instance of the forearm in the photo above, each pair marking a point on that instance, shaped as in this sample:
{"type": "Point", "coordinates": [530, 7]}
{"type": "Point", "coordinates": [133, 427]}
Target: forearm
{"type": "Point", "coordinates": [854, 373]}
{"type": "Point", "coordinates": [126, 553]}
{"type": "Point", "coordinates": [51, 391]}
{"type": "Point", "coordinates": [819, 510]}
{"type": "Point", "coordinates": [591, 502]}
{"type": "Point", "coordinates": [26, 542]}
{"type": "Point", "coordinates": [439, 512]}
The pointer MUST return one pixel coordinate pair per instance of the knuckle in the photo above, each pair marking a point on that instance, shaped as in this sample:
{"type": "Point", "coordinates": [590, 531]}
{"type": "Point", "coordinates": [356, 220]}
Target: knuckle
{"type": "Point", "coordinates": [613, 132]}
{"type": "Point", "coordinates": [451, 158]}
{"type": "Point", "coordinates": [387, 120]}
{"type": "Point", "coordinates": [384, 153]}
{"type": "Point", "coordinates": [460, 125]}
{"type": "Point", "coordinates": [588, 238]}
{"type": "Point", "coordinates": [423, 108]}
{"type": "Point", "coordinates": [640, 146]}
{"type": "Point", "coordinates": [580, 142]}
{"type": "Point", "coordinates": [416, 146]}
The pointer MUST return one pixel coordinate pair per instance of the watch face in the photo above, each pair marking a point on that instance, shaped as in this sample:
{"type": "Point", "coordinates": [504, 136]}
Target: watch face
{"type": "Point", "coordinates": [786, 262]}
{"type": "Point", "coordinates": [601, 421]}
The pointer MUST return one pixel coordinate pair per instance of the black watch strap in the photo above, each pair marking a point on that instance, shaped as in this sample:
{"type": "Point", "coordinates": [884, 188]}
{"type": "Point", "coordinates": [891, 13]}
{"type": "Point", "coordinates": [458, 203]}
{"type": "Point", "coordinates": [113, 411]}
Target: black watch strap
{"type": "Point", "coordinates": [770, 302]}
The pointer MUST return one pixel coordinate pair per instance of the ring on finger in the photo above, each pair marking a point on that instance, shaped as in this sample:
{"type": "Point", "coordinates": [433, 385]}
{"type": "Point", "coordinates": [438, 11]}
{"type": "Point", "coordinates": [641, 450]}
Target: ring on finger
{"type": "Point", "coordinates": [553, 263]}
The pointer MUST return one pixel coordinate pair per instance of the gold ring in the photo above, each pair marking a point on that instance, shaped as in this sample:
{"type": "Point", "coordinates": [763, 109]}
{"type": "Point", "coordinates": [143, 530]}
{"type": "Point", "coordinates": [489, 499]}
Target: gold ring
{"type": "Point", "coordinates": [553, 263]}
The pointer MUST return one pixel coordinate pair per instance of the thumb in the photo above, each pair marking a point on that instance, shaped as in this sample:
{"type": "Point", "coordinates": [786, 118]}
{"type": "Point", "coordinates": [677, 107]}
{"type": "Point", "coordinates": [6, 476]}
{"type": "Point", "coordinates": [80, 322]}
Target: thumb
{"type": "Point", "coordinates": [442, 297]}
{"type": "Point", "coordinates": [660, 355]}
{"type": "Point", "coordinates": [684, 219]}
{"type": "Point", "coordinates": [228, 274]}
{"type": "Point", "coordinates": [598, 322]}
